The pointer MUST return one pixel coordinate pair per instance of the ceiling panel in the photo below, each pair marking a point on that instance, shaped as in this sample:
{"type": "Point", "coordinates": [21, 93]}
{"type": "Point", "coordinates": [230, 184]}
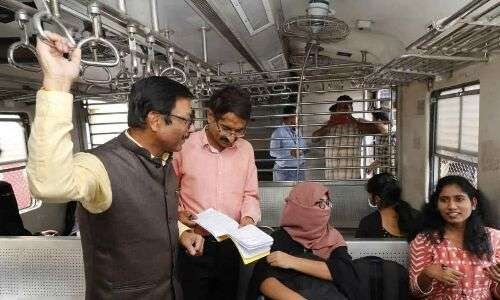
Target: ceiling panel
{"type": "Point", "coordinates": [405, 20]}
{"type": "Point", "coordinates": [396, 23]}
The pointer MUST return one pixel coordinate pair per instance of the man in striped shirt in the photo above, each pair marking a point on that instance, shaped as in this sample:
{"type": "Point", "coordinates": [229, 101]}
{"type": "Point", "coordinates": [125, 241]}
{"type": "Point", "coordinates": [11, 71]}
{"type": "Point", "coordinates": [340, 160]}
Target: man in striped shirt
{"type": "Point", "coordinates": [343, 135]}
{"type": "Point", "coordinates": [382, 144]}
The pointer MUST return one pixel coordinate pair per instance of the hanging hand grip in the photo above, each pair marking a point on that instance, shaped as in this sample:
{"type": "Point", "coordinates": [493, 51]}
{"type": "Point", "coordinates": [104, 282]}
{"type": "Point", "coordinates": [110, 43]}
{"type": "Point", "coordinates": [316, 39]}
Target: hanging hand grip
{"type": "Point", "coordinates": [150, 61]}
{"type": "Point", "coordinates": [109, 77]}
{"type": "Point", "coordinates": [95, 16]}
{"type": "Point", "coordinates": [172, 71]}
{"type": "Point", "coordinates": [22, 20]}
{"type": "Point", "coordinates": [47, 16]}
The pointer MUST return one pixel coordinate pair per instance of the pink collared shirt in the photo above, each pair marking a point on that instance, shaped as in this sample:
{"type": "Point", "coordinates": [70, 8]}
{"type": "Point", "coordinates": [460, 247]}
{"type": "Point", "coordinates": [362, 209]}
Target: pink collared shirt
{"type": "Point", "coordinates": [226, 180]}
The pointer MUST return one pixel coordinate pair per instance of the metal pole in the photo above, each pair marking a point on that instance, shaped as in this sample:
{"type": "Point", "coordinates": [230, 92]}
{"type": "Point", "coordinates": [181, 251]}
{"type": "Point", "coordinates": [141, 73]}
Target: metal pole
{"type": "Point", "coordinates": [298, 107]}
{"type": "Point", "coordinates": [389, 131]}
{"type": "Point", "coordinates": [444, 57]}
{"type": "Point", "coordinates": [54, 5]}
{"type": "Point", "coordinates": [121, 19]}
{"type": "Point", "coordinates": [365, 108]}
{"type": "Point", "coordinates": [240, 63]}
{"type": "Point", "coordinates": [122, 7]}
{"type": "Point", "coordinates": [319, 68]}
{"type": "Point", "coordinates": [467, 9]}
{"type": "Point", "coordinates": [364, 139]}
{"type": "Point", "coordinates": [204, 30]}
{"type": "Point", "coordinates": [154, 16]}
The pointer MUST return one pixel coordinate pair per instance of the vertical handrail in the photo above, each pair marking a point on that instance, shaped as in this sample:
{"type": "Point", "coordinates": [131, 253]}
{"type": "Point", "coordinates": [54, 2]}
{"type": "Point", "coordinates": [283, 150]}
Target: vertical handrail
{"type": "Point", "coordinates": [298, 107]}
{"type": "Point", "coordinates": [151, 70]}
{"type": "Point", "coordinates": [204, 30]}
{"type": "Point", "coordinates": [390, 137]}
{"type": "Point", "coordinates": [154, 16]}
{"type": "Point", "coordinates": [132, 45]}
{"type": "Point", "coordinates": [122, 6]}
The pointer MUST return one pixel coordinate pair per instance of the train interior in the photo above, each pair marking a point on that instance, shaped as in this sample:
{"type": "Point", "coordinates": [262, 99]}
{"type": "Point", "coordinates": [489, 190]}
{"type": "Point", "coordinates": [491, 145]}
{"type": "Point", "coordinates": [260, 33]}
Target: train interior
{"type": "Point", "coordinates": [432, 66]}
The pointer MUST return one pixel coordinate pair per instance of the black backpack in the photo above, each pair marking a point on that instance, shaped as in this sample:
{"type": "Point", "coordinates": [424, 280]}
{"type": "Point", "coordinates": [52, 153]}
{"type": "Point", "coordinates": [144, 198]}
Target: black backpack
{"type": "Point", "coordinates": [381, 279]}
{"type": "Point", "coordinates": [315, 289]}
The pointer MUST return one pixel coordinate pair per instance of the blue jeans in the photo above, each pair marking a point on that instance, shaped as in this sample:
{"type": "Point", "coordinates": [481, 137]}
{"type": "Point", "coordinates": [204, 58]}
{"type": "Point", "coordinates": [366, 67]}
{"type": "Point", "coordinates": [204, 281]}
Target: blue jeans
{"type": "Point", "coordinates": [288, 175]}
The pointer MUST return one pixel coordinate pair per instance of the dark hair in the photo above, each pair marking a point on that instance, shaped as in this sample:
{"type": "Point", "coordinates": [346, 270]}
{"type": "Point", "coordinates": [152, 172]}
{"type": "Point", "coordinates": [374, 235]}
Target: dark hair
{"type": "Point", "coordinates": [230, 99]}
{"type": "Point", "coordinates": [155, 93]}
{"type": "Point", "coordinates": [333, 108]}
{"type": "Point", "coordinates": [386, 187]}
{"type": "Point", "coordinates": [381, 116]}
{"type": "Point", "coordinates": [344, 98]}
{"type": "Point", "coordinates": [288, 110]}
{"type": "Point", "coordinates": [476, 238]}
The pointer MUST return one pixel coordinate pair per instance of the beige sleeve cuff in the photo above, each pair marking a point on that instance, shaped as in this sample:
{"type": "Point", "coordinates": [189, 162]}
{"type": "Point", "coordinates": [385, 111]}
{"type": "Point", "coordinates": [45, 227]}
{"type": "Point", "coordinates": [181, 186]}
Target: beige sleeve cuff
{"type": "Point", "coordinates": [182, 227]}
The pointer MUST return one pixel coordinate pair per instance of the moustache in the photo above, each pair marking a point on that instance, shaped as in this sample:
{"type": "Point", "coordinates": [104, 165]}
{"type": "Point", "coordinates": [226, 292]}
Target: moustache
{"type": "Point", "coordinates": [225, 140]}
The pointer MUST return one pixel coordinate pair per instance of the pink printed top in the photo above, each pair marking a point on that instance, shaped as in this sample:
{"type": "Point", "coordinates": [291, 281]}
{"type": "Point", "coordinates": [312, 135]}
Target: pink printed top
{"type": "Point", "coordinates": [225, 180]}
{"type": "Point", "coordinates": [475, 285]}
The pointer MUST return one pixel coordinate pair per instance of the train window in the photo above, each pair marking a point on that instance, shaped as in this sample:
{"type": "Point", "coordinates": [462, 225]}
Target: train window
{"type": "Point", "coordinates": [13, 158]}
{"type": "Point", "coordinates": [454, 134]}
{"type": "Point", "coordinates": [13, 143]}
{"type": "Point", "coordinates": [337, 156]}
{"type": "Point", "coordinates": [104, 121]}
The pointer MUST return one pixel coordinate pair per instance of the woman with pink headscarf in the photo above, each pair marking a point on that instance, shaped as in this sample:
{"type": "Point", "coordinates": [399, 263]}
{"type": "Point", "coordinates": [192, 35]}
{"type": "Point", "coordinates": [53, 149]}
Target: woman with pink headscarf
{"type": "Point", "coordinates": [309, 258]}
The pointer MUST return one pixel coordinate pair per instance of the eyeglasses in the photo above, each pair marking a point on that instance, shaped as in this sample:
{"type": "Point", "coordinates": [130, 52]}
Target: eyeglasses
{"type": "Point", "coordinates": [324, 204]}
{"type": "Point", "coordinates": [187, 121]}
{"type": "Point", "coordinates": [228, 132]}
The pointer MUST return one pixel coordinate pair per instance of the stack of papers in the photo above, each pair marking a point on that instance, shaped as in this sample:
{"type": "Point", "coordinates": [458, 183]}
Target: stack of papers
{"type": "Point", "coordinates": [251, 242]}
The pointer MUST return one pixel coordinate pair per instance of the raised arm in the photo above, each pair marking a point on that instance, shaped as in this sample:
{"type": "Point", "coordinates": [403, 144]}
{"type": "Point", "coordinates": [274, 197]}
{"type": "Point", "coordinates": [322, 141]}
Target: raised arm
{"type": "Point", "coordinates": [322, 131]}
{"type": "Point", "coordinates": [54, 174]}
{"type": "Point", "coordinates": [369, 128]}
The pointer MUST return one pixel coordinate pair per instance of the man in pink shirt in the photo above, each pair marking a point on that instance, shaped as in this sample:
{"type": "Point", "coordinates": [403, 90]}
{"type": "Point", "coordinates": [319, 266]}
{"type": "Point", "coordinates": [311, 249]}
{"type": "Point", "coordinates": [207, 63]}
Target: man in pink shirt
{"type": "Point", "coordinates": [216, 169]}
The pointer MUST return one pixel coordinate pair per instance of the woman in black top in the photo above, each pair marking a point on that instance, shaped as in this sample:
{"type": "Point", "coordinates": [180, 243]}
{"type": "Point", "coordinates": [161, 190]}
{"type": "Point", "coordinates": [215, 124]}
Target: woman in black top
{"type": "Point", "coordinates": [11, 223]}
{"type": "Point", "coordinates": [394, 218]}
{"type": "Point", "coordinates": [309, 258]}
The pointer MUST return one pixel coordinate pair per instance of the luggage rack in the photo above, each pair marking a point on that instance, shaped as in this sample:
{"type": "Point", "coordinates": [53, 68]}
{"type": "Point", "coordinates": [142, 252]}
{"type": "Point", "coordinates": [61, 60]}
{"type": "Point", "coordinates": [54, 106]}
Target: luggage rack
{"type": "Point", "coordinates": [467, 37]}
